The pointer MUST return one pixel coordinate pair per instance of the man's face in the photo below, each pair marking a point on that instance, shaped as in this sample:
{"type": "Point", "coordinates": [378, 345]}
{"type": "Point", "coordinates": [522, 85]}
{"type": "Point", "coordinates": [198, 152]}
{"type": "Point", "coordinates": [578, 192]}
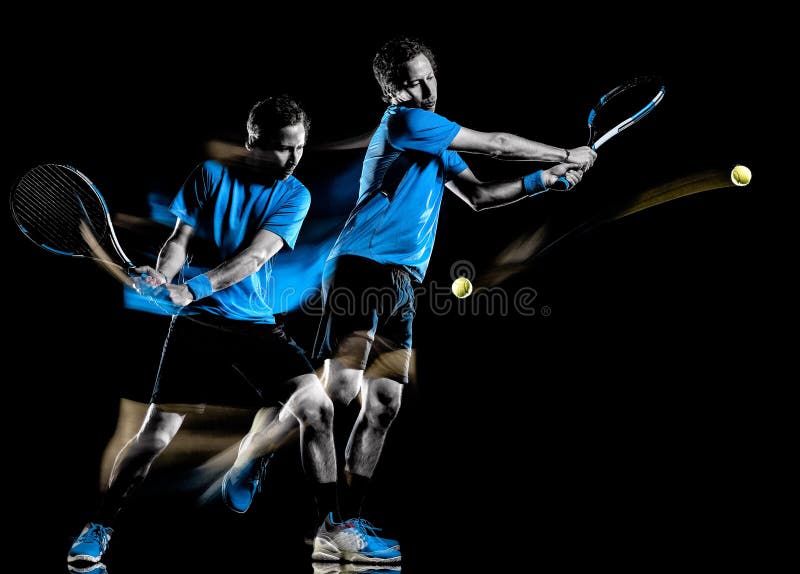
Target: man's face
{"type": "Point", "coordinates": [282, 153]}
{"type": "Point", "coordinates": [418, 84]}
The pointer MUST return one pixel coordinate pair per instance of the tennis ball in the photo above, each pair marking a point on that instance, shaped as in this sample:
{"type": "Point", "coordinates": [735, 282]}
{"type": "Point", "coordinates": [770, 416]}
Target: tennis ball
{"type": "Point", "coordinates": [740, 175]}
{"type": "Point", "coordinates": [462, 287]}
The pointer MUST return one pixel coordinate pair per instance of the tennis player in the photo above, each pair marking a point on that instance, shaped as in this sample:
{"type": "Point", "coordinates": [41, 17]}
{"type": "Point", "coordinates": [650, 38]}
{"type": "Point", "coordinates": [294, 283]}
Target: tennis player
{"type": "Point", "coordinates": [386, 244]}
{"type": "Point", "coordinates": [241, 216]}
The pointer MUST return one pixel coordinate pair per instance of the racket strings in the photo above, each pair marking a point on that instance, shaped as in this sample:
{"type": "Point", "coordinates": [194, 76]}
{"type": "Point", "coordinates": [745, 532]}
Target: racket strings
{"type": "Point", "coordinates": [90, 208]}
{"type": "Point", "coordinates": [51, 201]}
{"type": "Point", "coordinates": [87, 196]}
{"type": "Point", "coordinates": [52, 217]}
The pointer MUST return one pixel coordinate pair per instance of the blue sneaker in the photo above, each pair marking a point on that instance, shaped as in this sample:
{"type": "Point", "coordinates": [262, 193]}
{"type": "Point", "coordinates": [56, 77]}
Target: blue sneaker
{"type": "Point", "coordinates": [349, 568]}
{"type": "Point", "coordinates": [367, 527]}
{"type": "Point", "coordinates": [91, 543]}
{"type": "Point", "coordinates": [238, 491]}
{"type": "Point", "coordinates": [352, 541]}
{"type": "Point", "coordinates": [388, 542]}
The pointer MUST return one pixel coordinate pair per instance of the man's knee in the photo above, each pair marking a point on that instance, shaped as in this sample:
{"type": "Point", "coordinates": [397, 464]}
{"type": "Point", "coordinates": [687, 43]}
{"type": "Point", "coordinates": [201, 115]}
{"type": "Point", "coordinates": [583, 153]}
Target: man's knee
{"type": "Point", "coordinates": [316, 412]}
{"type": "Point", "coordinates": [158, 430]}
{"type": "Point", "coordinates": [343, 384]}
{"type": "Point", "coordinates": [383, 404]}
{"type": "Point", "coordinates": [152, 441]}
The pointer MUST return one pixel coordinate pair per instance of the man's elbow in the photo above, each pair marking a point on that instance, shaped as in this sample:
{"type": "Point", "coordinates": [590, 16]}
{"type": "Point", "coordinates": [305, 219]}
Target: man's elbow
{"type": "Point", "coordinates": [259, 258]}
{"type": "Point", "coordinates": [261, 255]}
{"type": "Point", "coordinates": [500, 145]}
{"type": "Point", "coordinates": [479, 199]}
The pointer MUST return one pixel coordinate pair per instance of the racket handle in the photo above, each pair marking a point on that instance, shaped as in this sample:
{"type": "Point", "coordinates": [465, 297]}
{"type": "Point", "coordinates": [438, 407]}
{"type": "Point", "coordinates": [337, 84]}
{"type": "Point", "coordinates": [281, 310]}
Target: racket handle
{"type": "Point", "coordinates": [561, 184]}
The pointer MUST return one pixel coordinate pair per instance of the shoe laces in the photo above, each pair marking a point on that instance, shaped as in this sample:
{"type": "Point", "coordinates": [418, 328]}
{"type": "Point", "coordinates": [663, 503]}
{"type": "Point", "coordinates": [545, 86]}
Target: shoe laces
{"type": "Point", "coordinates": [262, 470]}
{"type": "Point", "coordinates": [98, 533]}
{"type": "Point", "coordinates": [365, 525]}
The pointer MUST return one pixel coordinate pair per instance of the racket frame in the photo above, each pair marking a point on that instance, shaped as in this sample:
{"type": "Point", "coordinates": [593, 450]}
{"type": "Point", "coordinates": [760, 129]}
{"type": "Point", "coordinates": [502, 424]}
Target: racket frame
{"type": "Point", "coordinates": [628, 122]}
{"type": "Point", "coordinates": [111, 235]}
{"type": "Point", "coordinates": [562, 184]}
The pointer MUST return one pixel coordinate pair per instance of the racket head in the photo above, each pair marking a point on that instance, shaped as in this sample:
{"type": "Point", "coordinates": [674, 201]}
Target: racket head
{"type": "Point", "coordinates": [55, 204]}
{"type": "Point", "coordinates": [623, 106]}
{"type": "Point", "coordinates": [619, 109]}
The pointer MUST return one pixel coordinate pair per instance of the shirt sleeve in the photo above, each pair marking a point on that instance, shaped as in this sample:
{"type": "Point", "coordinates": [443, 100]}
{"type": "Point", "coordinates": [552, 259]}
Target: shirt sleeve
{"type": "Point", "coordinates": [453, 164]}
{"type": "Point", "coordinates": [287, 219]}
{"type": "Point", "coordinates": [191, 196]}
{"type": "Point", "coordinates": [421, 130]}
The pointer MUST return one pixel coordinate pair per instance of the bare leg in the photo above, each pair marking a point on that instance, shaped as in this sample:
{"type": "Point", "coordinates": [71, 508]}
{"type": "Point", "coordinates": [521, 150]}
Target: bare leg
{"type": "Point", "coordinates": [380, 404]}
{"type": "Point", "coordinates": [265, 438]}
{"type": "Point", "coordinates": [342, 383]}
{"type": "Point", "coordinates": [313, 410]}
{"type": "Point", "coordinates": [136, 457]}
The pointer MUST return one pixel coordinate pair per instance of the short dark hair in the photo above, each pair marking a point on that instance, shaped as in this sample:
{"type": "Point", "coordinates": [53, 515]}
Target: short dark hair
{"type": "Point", "coordinates": [268, 116]}
{"type": "Point", "coordinates": [394, 54]}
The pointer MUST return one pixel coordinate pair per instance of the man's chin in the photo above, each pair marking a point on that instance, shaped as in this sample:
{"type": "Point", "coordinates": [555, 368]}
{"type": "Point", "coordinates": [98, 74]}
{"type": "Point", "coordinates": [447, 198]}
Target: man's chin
{"type": "Point", "coordinates": [280, 173]}
{"type": "Point", "coordinates": [428, 105]}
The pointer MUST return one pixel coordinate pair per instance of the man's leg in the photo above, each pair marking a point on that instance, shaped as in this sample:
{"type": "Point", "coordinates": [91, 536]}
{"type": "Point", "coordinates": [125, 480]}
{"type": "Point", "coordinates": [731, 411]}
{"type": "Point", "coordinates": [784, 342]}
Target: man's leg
{"type": "Point", "coordinates": [309, 408]}
{"type": "Point", "coordinates": [380, 403]}
{"type": "Point", "coordinates": [313, 410]}
{"type": "Point", "coordinates": [130, 469]}
{"type": "Point", "coordinates": [354, 540]}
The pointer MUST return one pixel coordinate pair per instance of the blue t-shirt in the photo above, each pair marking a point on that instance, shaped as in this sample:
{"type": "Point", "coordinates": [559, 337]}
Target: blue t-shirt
{"type": "Point", "coordinates": [402, 183]}
{"type": "Point", "coordinates": [227, 207]}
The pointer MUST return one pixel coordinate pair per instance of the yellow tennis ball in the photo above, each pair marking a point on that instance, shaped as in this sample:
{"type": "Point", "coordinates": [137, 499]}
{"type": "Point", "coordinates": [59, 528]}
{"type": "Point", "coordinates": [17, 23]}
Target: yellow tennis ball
{"type": "Point", "coordinates": [740, 175]}
{"type": "Point", "coordinates": [462, 287]}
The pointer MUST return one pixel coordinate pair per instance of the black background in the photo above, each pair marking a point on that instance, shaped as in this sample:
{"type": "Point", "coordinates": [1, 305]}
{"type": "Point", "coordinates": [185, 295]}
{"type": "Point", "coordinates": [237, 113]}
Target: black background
{"type": "Point", "coordinates": [626, 423]}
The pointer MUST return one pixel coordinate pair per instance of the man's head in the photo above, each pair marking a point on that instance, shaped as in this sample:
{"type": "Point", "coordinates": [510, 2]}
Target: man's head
{"type": "Point", "coordinates": [406, 72]}
{"type": "Point", "coordinates": [277, 129]}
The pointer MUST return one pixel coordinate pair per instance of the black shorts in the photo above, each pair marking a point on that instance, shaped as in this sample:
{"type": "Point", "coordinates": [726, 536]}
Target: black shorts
{"type": "Point", "coordinates": [226, 362]}
{"type": "Point", "coordinates": [369, 308]}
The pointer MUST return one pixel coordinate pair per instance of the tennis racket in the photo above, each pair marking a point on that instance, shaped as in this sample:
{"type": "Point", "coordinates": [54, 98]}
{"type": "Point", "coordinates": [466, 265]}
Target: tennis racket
{"type": "Point", "coordinates": [59, 209]}
{"type": "Point", "coordinates": [632, 100]}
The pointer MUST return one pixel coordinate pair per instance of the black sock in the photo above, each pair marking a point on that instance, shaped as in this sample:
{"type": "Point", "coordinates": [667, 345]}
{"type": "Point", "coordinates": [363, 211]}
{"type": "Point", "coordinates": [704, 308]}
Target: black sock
{"type": "Point", "coordinates": [327, 501]}
{"type": "Point", "coordinates": [112, 501]}
{"type": "Point", "coordinates": [354, 494]}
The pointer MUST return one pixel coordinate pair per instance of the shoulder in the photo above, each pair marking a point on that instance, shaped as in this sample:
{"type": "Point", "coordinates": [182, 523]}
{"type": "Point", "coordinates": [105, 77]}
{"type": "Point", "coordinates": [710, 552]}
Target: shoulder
{"type": "Point", "coordinates": [295, 190]}
{"type": "Point", "coordinates": [207, 171]}
{"type": "Point", "coordinates": [212, 167]}
{"type": "Point", "coordinates": [413, 119]}
{"type": "Point", "coordinates": [420, 129]}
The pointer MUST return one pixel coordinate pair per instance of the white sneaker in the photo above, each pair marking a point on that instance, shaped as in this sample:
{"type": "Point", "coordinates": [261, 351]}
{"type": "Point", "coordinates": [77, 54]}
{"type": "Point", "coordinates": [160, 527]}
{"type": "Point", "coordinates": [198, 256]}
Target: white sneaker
{"type": "Point", "coordinates": [352, 541]}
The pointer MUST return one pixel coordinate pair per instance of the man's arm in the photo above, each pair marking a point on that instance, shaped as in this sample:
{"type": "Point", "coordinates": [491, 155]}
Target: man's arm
{"type": "Point", "coordinates": [171, 257]}
{"type": "Point", "coordinates": [507, 146]}
{"type": "Point", "coordinates": [173, 254]}
{"type": "Point", "coordinates": [264, 245]}
{"type": "Point", "coordinates": [481, 195]}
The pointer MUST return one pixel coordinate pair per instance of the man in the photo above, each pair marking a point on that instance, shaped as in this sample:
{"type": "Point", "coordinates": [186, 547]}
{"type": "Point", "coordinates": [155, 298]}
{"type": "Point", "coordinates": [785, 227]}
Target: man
{"type": "Point", "coordinates": [241, 216]}
{"type": "Point", "coordinates": [386, 244]}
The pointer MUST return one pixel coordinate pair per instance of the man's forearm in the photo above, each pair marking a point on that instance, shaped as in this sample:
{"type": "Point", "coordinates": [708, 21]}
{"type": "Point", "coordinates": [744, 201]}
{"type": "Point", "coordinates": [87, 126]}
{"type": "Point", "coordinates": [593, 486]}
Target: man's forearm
{"type": "Point", "coordinates": [518, 148]}
{"type": "Point", "coordinates": [242, 265]}
{"type": "Point", "coordinates": [170, 260]}
{"type": "Point", "coordinates": [497, 194]}
{"type": "Point", "coordinates": [502, 145]}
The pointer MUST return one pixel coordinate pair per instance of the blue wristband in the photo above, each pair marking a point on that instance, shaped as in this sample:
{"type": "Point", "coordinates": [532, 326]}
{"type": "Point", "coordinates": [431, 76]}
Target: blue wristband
{"type": "Point", "coordinates": [200, 286]}
{"type": "Point", "coordinates": [533, 183]}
